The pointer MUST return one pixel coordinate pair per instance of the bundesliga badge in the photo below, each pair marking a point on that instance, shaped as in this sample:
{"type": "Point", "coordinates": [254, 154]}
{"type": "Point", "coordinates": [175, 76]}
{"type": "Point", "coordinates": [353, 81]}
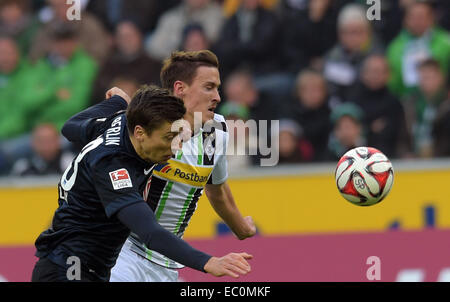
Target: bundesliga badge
{"type": "Point", "coordinates": [120, 179]}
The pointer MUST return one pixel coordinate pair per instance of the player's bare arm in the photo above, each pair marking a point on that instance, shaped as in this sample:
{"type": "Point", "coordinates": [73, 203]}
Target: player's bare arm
{"type": "Point", "coordinates": [222, 201]}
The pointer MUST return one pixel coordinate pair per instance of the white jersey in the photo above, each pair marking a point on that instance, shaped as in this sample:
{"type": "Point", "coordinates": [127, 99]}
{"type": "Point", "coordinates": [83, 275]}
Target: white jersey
{"type": "Point", "coordinates": [174, 188]}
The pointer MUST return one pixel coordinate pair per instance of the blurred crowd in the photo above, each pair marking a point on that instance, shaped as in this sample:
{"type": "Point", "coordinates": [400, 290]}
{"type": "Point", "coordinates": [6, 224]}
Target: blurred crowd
{"type": "Point", "coordinates": [332, 78]}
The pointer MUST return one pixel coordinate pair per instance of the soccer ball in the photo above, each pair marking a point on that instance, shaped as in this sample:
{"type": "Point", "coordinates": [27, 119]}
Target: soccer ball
{"type": "Point", "coordinates": [364, 176]}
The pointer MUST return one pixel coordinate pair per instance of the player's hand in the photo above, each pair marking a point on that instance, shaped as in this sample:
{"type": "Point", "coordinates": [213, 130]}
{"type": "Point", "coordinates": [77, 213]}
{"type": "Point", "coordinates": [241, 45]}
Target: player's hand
{"type": "Point", "coordinates": [233, 265]}
{"type": "Point", "coordinates": [117, 91]}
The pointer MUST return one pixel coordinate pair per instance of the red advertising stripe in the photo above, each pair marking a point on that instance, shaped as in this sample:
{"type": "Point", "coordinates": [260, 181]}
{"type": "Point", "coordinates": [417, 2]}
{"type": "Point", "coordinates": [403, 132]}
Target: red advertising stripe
{"type": "Point", "coordinates": [17, 263]}
{"type": "Point", "coordinates": [418, 256]}
{"type": "Point", "coordinates": [335, 258]}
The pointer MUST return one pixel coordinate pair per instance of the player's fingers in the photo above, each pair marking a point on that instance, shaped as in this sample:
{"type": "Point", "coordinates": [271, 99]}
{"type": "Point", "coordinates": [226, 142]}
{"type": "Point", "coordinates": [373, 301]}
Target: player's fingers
{"type": "Point", "coordinates": [110, 93]}
{"type": "Point", "coordinates": [246, 256]}
{"type": "Point", "coordinates": [240, 262]}
{"type": "Point", "coordinates": [239, 268]}
{"type": "Point", "coordinates": [228, 272]}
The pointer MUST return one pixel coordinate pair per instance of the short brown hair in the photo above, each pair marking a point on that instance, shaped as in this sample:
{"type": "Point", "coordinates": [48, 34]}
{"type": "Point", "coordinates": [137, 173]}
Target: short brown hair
{"type": "Point", "coordinates": [151, 106]}
{"type": "Point", "coordinates": [430, 63]}
{"type": "Point", "coordinates": [182, 66]}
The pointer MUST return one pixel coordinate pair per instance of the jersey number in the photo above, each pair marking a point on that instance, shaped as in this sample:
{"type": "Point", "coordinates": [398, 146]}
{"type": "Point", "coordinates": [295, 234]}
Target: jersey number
{"type": "Point", "coordinates": [67, 184]}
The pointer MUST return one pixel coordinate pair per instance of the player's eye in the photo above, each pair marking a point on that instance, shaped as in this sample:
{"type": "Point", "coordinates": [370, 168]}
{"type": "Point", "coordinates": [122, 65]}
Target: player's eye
{"type": "Point", "coordinates": [209, 87]}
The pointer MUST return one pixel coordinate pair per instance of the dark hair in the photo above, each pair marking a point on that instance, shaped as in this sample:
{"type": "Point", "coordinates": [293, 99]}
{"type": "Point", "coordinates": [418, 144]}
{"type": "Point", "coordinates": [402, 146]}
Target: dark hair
{"type": "Point", "coordinates": [430, 63]}
{"type": "Point", "coordinates": [190, 28]}
{"type": "Point", "coordinates": [151, 106]}
{"type": "Point", "coordinates": [130, 21]}
{"type": "Point", "coordinates": [182, 66]}
{"type": "Point", "coordinates": [62, 32]}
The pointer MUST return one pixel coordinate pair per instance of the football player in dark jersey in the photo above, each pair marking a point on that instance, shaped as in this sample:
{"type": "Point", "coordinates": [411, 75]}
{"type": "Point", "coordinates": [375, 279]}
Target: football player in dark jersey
{"type": "Point", "coordinates": [99, 199]}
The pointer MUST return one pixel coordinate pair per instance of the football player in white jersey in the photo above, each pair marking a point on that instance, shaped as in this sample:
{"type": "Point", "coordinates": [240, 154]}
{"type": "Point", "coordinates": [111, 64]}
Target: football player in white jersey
{"type": "Point", "coordinates": [174, 188]}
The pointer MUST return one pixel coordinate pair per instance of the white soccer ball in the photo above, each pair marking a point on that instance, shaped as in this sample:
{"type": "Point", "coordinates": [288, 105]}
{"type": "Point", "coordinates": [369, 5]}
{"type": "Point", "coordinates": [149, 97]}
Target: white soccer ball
{"type": "Point", "coordinates": [364, 176]}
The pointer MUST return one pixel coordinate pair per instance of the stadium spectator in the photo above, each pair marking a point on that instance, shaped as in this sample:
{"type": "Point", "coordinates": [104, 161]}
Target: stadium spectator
{"type": "Point", "coordinates": [112, 12]}
{"type": "Point", "coordinates": [14, 77]}
{"type": "Point", "coordinates": [240, 92]}
{"type": "Point", "coordinates": [63, 80]}
{"type": "Point", "coordinates": [391, 14]}
{"type": "Point", "coordinates": [194, 38]}
{"type": "Point", "coordinates": [128, 84]}
{"type": "Point", "coordinates": [309, 32]}
{"type": "Point", "coordinates": [441, 9]}
{"type": "Point", "coordinates": [15, 74]}
{"type": "Point", "coordinates": [441, 130]}
{"type": "Point", "coordinates": [250, 39]}
{"type": "Point", "coordinates": [236, 115]}
{"type": "Point", "coordinates": [420, 39]}
{"type": "Point", "coordinates": [348, 130]}
{"type": "Point", "coordinates": [384, 118]}
{"type": "Point", "coordinates": [424, 104]}
{"type": "Point", "coordinates": [94, 39]}
{"type": "Point", "coordinates": [129, 59]}
{"type": "Point", "coordinates": [239, 88]}
{"type": "Point", "coordinates": [290, 150]}
{"type": "Point", "coordinates": [356, 41]}
{"type": "Point", "coordinates": [16, 20]}
{"type": "Point", "coordinates": [310, 108]}
{"type": "Point", "coordinates": [168, 33]}
{"type": "Point", "coordinates": [47, 158]}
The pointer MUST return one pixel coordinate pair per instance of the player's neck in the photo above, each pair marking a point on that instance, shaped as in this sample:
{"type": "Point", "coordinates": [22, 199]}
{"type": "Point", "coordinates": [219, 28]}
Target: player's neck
{"type": "Point", "coordinates": [193, 123]}
{"type": "Point", "coordinates": [137, 147]}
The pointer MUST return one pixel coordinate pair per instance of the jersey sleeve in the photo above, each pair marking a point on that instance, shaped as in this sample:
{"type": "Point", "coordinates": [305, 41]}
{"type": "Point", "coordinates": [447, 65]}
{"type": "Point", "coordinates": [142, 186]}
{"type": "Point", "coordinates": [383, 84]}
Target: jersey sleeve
{"type": "Point", "coordinates": [116, 184]}
{"type": "Point", "coordinates": [140, 219]}
{"type": "Point", "coordinates": [90, 123]}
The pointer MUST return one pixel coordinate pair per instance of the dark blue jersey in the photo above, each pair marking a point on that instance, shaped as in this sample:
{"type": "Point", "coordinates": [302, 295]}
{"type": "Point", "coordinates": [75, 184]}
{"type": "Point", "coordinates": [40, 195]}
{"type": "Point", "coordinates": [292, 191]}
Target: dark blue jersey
{"type": "Point", "coordinates": [106, 176]}
{"type": "Point", "coordinates": [97, 194]}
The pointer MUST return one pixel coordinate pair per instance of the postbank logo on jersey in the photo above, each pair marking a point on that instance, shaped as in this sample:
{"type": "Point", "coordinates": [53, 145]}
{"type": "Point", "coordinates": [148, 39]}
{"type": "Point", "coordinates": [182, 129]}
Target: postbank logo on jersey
{"type": "Point", "coordinates": [180, 172]}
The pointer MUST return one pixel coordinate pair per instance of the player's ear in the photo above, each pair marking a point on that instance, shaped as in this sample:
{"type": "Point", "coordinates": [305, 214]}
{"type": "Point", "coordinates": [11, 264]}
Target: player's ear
{"type": "Point", "coordinates": [179, 88]}
{"type": "Point", "coordinates": [139, 133]}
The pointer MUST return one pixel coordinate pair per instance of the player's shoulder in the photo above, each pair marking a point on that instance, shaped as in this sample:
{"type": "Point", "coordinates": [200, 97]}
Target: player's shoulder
{"type": "Point", "coordinates": [102, 153]}
{"type": "Point", "coordinates": [106, 152]}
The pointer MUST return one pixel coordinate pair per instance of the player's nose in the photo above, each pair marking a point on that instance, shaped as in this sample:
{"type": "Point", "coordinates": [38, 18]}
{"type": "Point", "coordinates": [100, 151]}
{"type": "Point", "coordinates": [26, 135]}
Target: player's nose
{"type": "Point", "coordinates": [217, 98]}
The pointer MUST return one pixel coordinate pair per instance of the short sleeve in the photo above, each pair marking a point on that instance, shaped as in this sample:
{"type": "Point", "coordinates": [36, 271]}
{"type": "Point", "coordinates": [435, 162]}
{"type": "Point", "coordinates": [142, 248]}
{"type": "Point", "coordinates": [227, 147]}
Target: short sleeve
{"type": "Point", "coordinates": [116, 184]}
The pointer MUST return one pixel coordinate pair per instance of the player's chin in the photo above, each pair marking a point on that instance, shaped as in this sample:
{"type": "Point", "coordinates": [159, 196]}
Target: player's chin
{"type": "Point", "coordinates": [166, 158]}
{"type": "Point", "coordinates": [163, 159]}
{"type": "Point", "coordinates": [209, 115]}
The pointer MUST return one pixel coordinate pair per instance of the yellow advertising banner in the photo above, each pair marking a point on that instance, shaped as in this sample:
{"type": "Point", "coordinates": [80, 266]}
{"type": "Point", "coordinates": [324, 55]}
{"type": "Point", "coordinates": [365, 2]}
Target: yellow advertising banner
{"type": "Point", "coordinates": [312, 204]}
{"type": "Point", "coordinates": [278, 204]}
